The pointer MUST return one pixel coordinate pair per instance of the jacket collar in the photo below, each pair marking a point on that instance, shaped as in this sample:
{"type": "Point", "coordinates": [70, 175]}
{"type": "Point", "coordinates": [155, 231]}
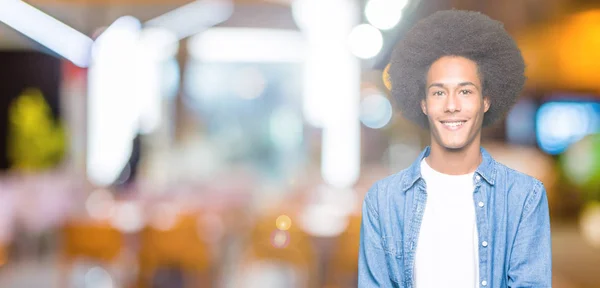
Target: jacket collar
{"type": "Point", "coordinates": [487, 169]}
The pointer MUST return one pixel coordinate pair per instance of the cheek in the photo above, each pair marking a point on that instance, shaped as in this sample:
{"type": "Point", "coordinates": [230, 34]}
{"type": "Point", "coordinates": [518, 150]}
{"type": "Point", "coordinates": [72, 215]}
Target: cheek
{"type": "Point", "coordinates": [434, 107]}
{"type": "Point", "coordinates": [474, 108]}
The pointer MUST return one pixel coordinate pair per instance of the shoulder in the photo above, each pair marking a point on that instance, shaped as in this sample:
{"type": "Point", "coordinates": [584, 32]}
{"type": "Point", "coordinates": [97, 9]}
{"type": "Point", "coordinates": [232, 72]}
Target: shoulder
{"type": "Point", "coordinates": [518, 184]}
{"type": "Point", "coordinates": [504, 172]}
{"type": "Point", "coordinates": [386, 188]}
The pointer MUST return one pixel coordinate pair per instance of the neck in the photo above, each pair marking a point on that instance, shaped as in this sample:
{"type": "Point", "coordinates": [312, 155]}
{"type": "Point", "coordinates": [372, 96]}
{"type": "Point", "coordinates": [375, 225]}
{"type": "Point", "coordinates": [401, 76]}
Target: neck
{"type": "Point", "coordinates": [455, 161]}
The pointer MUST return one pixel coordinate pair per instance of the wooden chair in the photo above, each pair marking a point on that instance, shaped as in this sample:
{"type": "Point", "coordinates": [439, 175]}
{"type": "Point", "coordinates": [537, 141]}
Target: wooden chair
{"type": "Point", "coordinates": [3, 254]}
{"type": "Point", "coordinates": [292, 247]}
{"type": "Point", "coordinates": [179, 247]}
{"type": "Point", "coordinates": [89, 240]}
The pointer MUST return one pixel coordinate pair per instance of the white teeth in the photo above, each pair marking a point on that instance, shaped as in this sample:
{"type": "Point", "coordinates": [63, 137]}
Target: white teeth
{"type": "Point", "coordinates": [453, 124]}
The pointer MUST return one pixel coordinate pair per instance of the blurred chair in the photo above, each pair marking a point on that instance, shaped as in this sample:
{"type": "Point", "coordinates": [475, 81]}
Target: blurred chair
{"type": "Point", "coordinates": [342, 268]}
{"type": "Point", "coordinates": [89, 240]}
{"type": "Point", "coordinates": [3, 254]}
{"type": "Point", "coordinates": [289, 253]}
{"type": "Point", "coordinates": [179, 249]}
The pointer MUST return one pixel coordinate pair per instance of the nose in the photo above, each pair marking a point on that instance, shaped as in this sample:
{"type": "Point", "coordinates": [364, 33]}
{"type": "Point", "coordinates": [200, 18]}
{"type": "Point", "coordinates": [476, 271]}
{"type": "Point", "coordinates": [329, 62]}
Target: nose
{"type": "Point", "coordinates": [452, 103]}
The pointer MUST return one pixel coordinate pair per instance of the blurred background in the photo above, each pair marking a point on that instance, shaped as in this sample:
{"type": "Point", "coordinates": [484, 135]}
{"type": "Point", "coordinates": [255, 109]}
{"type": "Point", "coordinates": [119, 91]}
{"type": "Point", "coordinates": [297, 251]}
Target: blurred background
{"type": "Point", "coordinates": [229, 143]}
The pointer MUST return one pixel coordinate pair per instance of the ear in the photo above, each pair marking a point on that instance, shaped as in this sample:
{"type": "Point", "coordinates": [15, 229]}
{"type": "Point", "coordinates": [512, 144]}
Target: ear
{"type": "Point", "coordinates": [486, 104]}
{"type": "Point", "coordinates": [424, 106]}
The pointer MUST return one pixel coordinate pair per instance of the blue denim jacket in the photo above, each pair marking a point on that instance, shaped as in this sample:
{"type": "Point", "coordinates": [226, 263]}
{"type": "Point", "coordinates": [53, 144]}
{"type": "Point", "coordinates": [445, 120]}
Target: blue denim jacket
{"type": "Point", "coordinates": [512, 217]}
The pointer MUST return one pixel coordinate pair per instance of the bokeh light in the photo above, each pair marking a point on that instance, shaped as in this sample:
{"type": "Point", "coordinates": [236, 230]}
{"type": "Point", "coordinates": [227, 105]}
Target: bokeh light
{"type": "Point", "coordinates": [165, 216]}
{"type": "Point", "coordinates": [323, 220]}
{"type": "Point", "coordinates": [97, 277]}
{"type": "Point", "coordinates": [375, 111]}
{"type": "Point", "coordinates": [590, 224]}
{"type": "Point", "coordinates": [581, 162]}
{"type": "Point", "coordinates": [559, 124]}
{"type": "Point", "coordinates": [280, 239]}
{"type": "Point", "coordinates": [328, 214]}
{"type": "Point", "coordinates": [128, 217]}
{"type": "Point", "coordinates": [100, 204]}
{"type": "Point", "coordinates": [283, 222]}
{"type": "Point", "coordinates": [384, 14]}
{"type": "Point", "coordinates": [365, 41]}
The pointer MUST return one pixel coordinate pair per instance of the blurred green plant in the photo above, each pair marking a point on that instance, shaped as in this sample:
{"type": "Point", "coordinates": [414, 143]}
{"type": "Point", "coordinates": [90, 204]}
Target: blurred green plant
{"type": "Point", "coordinates": [35, 140]}
{"type": "Point", "coordinates": [581, 166]}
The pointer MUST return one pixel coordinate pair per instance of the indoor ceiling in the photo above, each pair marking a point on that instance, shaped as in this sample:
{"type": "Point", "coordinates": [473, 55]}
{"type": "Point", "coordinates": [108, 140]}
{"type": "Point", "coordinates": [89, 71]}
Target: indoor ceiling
{"type": "Point", "coordinates": [87, 16]}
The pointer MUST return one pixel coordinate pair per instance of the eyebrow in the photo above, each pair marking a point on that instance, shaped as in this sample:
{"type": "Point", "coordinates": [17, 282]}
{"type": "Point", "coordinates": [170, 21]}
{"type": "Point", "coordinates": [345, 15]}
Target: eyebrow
{"type": "Point", "coordinates": [461, 84]}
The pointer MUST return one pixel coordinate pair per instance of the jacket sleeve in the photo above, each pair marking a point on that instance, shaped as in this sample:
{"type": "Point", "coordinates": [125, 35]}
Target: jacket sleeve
{"type": "Point", "coordinates": [531, 257]}
{"type": "Point", "coordinates": [372, 266]}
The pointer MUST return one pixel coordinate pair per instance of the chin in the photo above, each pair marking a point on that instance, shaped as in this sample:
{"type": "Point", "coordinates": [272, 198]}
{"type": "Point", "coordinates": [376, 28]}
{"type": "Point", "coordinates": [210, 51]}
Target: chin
{"type": "Point", "coordinates": [456, 143]}
{"type": "Point", "coordinates": [454, 147]}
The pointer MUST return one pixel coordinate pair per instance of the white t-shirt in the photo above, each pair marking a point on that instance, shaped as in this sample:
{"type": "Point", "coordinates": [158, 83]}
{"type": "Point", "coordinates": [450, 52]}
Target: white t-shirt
{"type": "Point", "coordinates": [447, 248]}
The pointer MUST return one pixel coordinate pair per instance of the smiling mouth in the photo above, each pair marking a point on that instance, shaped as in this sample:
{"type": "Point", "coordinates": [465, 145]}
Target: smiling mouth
{"type": "Point", "coordinates": [453, 125]}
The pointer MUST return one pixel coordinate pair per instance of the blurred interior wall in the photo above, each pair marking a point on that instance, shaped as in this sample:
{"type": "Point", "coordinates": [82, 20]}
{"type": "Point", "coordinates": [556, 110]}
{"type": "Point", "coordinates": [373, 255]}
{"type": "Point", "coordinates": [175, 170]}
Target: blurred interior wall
{"type": "Point", "coordinates": [19, 71]}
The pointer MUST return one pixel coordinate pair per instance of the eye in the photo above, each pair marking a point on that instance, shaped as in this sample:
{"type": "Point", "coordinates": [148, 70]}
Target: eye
{"type": "Point", "coordinates": [438, 93]}
{"type": "Point", "coordinates": [466, 92]}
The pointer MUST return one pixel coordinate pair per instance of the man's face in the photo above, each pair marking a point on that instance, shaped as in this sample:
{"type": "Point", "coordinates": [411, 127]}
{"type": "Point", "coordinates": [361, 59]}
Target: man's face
{"type": "Point", "coordinates": [454, 103]}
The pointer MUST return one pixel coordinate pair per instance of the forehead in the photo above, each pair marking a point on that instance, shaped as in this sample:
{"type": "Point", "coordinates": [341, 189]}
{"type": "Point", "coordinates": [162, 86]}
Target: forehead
{"type": "Point", "coordinates": [453, 69]}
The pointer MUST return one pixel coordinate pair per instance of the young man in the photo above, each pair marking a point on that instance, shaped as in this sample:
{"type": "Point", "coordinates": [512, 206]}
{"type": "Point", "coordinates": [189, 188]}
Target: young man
{"type": "Point", "coordinates": [456, 217]}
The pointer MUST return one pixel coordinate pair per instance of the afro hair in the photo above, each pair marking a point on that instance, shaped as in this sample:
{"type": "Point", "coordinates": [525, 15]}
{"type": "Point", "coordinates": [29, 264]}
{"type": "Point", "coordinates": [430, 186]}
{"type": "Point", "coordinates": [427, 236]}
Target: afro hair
{"type": "Point", "coordinates": [467, 34]}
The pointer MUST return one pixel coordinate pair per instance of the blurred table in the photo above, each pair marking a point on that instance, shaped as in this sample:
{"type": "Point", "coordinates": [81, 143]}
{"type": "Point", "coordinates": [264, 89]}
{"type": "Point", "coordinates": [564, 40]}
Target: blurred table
{"type": "Point", "coordinates": [576, 264]}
